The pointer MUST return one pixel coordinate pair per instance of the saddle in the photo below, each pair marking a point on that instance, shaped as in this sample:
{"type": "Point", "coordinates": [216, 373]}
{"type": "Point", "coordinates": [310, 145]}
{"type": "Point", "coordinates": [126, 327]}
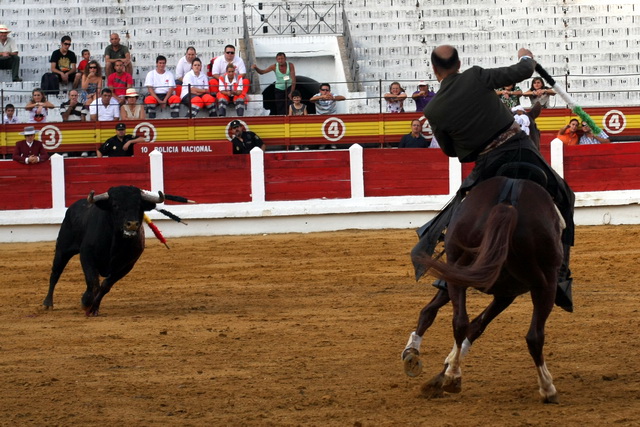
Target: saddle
{"type": "Point", "coordinates": [523, 170]}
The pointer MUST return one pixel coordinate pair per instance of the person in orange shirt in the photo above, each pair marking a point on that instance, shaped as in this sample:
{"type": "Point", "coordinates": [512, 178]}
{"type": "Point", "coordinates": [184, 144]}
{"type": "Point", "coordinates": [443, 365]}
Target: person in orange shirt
{"type": "Point", "coordinates": [569, 134]}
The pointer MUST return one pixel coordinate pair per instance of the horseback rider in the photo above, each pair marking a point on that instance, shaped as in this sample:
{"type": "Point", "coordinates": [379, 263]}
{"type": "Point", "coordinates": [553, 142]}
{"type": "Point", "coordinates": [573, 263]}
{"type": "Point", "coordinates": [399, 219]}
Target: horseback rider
{"type": "Point", "coordinates": [471, 123]}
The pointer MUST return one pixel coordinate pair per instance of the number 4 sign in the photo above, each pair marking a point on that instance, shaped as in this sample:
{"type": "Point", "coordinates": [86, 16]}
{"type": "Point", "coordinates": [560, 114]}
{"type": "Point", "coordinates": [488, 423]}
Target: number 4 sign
{"type": "Point", "coordinates": [614, 121]}
{"type": "Point", "coordinates": [333, 129]}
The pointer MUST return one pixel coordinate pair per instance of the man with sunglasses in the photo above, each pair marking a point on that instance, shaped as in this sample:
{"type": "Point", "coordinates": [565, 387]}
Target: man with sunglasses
{"type": "Point", "coordinates": [219, 68]}
{"type": "Point", "coordinates": [588, 137]}
{"type": "Point", "coordinates": [63, 61]}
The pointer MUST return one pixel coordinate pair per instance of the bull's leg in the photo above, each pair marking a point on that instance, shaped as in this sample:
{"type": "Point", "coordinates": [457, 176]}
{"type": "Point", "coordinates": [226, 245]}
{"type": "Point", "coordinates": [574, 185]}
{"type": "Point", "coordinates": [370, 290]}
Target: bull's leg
{"type": "Point", "coordinates": [92, 278]}
{"type": "Point", "coordinates": [60, 261]}
{"type": "Point", "coordinates": [94, 308]}
{"type": "Point", "coordinates": [411, 352]}
{"type": "Point", "coordinates": [542, 306]}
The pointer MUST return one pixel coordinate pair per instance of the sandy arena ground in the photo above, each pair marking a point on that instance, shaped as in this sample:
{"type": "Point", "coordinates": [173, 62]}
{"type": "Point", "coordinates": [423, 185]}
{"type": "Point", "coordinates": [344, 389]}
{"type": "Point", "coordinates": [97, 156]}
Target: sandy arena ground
{"type": "Point", "coordinates": [305, 330]}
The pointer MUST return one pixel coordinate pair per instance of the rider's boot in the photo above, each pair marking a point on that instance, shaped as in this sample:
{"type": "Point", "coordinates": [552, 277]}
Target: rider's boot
{"type": "Point", "coordinates": [564, 299]}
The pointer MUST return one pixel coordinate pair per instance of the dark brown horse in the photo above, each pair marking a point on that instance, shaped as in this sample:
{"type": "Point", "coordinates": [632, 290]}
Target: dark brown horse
{"type": "Point", "coordinates": [504, 240]}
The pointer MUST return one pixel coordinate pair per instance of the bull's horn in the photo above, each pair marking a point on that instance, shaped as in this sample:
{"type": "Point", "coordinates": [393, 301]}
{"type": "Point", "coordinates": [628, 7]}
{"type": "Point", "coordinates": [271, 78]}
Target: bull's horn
{"type": "Point", "coordinates": [92, 199]}
{"type": "Point", "coordinates": [152, 197]}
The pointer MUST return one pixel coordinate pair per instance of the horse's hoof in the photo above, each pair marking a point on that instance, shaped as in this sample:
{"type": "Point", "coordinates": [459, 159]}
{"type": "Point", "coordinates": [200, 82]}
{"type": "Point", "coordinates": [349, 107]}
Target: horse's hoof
{"type": "Point", "coordinates": [412, 362]}
{"type": "Point", "coordinates": [551, 399]}
{"type": "Point", "coordinates": [432, 389]}
{"type": "Point", "coordinates": [452, 385]}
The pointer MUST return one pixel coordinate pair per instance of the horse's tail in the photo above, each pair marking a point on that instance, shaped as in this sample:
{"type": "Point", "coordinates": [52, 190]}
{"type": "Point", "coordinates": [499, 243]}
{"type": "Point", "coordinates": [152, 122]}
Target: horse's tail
{"type": "Point", "coordinates": [489, 257]}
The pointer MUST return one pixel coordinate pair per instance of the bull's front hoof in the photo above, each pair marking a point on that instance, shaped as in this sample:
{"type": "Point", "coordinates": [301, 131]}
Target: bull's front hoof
{"type": "Point", "coordinates": [551, 399]}
{"type": "Point", "coordinates": [412, 362]}
{"type": "Point", "coordinates": [432, 389]}
{"type": "Point", "coordinates": [452, 385]}
{"type": "Point", "coordinates": [92, 312]}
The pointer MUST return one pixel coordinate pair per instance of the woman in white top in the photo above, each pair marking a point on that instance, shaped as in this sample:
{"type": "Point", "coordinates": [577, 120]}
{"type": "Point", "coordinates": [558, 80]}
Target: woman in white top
{"type": "Point", "coordinates": [38, 107]}
{"type": "Point", "coordinates": [195, 90]}
{"type": "Point", "coordinates": [131, 110]}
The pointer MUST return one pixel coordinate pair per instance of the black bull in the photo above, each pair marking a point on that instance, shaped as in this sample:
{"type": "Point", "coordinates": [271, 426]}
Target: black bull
{"type": "Point", "coordinates": [106, 230]}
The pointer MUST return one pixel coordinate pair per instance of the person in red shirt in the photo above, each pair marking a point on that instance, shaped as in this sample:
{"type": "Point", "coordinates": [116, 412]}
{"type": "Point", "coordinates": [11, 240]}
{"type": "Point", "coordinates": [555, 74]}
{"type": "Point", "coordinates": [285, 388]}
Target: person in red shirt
{"type": "Point", "coordinates": [119, 82]}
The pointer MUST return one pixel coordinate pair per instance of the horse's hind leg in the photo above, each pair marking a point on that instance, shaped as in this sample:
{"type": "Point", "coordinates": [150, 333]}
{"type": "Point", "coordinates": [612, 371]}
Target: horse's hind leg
{"type": "Point", "coordinates": [542, 306]}
{"type": "Point", "coordinates": [411, 352]}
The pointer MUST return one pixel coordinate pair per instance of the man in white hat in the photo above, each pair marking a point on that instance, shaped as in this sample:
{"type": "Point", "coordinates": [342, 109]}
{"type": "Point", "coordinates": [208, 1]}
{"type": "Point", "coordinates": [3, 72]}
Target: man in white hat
{"type": "Point", "coordinates": [520, 117]}
{"type": "Point", "coordinates": [9, 59]}
{"type": "Point", "coordinates": [29, 150]}
{"type": "Point", "coordinates": [422, 96]}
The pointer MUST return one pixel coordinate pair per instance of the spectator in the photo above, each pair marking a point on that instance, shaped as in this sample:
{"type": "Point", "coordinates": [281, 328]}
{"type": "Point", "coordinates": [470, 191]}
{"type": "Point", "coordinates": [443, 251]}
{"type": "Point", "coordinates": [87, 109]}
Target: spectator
{"type": "Point", "coordinates": [9, 59]}
{"type": "Point", "coordinates": [219, 68]}
{"type": "Point", "coordinates": [161, 84]}
{"type": "Point", "coordinates": [115, 51]}
{"type": "Point", "coordinates": [244, 141]}
{"type": "Point", "coordinates": [297, 108]}
{"type": "Point", "coordinates": [589, 138]}
{"type": "Point", "coordinates": [285, 81]}
{"type": "Point", "coordinates": [422, 96]}
{"type": "Point", "coordinates": [9, 117]}
{"type": "Point", "coordinates": [195, 91]}
{"type": "Point", "coordinates": [63, 61]}
{"type": "Point", "coordinates": [119, 145]}
{"type": "Point", "coordinates": [395, 98]}
{"type": "Point", "coordinates": [521, 118]}
{"type": "Point", "coordinates": [415, 139]}
{"type": "Point", "coordinates": [38, 106]}
{"type": "Point", "coordinates": [86, 57]}
{"type": "Point", "coordinates": [231, 91]}
{"type": "Point", "coordinates": [325, 100]}
{"type": "Point", "coordinates": [185, 64]}
{"type": "Point", "coordinates": [73, 110]}
{"type": "Point", "coordinates": [105, 108]}
{"type": "Point", "coordinates": [131, 110]}
{"type": "Point", "coordinates": [569, 134]}
{"type": "Point", "coordinates": [29, 150]}
{"type": "Point", "coordinates": [91, 82]}
{"type": "Point", "coordinates": [510, 95]}
{"type": "Point", "coordinates": [119, 81]}
{"type": "Point", "coordinates": [539, 92]}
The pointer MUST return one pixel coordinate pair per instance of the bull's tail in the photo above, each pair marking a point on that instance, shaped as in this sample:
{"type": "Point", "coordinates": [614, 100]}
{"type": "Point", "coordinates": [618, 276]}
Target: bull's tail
{"type": "Point", "coordinates": [490, 255]}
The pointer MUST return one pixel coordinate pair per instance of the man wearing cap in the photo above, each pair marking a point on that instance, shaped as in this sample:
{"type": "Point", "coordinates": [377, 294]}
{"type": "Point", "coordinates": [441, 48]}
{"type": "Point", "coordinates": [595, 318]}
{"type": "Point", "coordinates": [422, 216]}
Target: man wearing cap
{"type": "Point", "coordinates": [120, 145]}
{"type": "Point", "coordinates": [73, 110]}
{"type": "Point", "coordinates": [9, 59]}
{"type": "Point", "coordinates": [29, 150]}
{"type": "Point", "coordinates": [244, 141]}
{"type": "Point", "coordinates": [119, 81]}
{"type": "Point", "coordinates": [422, 96]}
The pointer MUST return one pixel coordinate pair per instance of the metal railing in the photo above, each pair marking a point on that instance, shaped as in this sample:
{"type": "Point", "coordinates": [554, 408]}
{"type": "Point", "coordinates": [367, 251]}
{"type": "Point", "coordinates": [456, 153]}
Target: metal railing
{"type": "Point", "coordinates": [284, 18]}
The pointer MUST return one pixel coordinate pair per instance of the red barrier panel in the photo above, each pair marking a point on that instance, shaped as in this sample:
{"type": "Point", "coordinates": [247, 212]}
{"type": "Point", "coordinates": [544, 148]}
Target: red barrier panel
{"type": "Point", "coordinates": [307, 175]}
{"type": "Point", "coordinates": [405, 172]}
{"type": "Point", "coordinates": [602, 167]}
{"type": "Point", "coordinates": [208, 178]}
{"type": "Point", "coordinates": [25, 186]}
{"type": "Point", "coordinates": [85, 174]}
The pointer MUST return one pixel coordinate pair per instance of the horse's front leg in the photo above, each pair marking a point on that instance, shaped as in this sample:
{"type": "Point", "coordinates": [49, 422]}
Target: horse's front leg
{"type": "Point", "coordinates": [453, 374]}
{"type": "Point", "coordinates": [542, 306]}
{"type": "Point", "coordinates": [411, 352]}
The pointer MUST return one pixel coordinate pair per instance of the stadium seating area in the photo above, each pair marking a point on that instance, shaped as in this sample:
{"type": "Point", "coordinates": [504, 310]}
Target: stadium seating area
{"type": "Point", "coordinates": [591, 45]}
